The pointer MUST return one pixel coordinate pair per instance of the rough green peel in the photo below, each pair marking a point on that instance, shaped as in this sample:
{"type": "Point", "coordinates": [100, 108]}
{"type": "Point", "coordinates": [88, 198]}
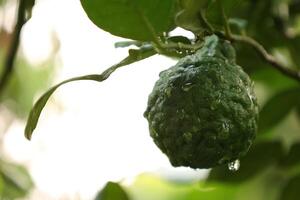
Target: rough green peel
{"type": "Point", "coordinates": [203, 112]}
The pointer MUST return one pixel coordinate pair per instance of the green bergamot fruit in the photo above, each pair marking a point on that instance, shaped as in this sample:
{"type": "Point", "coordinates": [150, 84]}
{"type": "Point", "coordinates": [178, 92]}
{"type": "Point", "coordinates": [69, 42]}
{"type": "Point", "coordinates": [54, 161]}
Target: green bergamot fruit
{"type": "Point", "coordinates": [203, 112]}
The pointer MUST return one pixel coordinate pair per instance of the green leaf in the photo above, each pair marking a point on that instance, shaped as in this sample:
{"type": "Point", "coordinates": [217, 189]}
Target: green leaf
{"type": "Point", "coordinates": [29, 6]}
{"type": "Point", "coordinates": [189, 17]}
{"type": "Point", "coordinates": [292, 158]}
{"type": "Point", "coordinates": [193, 5]}
{"type": "Point", "coordinates": [15, 179]}
{"type": "Point", "coordinates": [238, 24]}
{"type": "Point", "coordinates": [189, 21]}
{"type": "Point", "coordinates": [298, 111]}
{"type": "Point", "coordinates": [112, 191]}
{"type": "Point", "coordinates": [134, 56]}
{"type": "Point", "coordinates": [277, 108]}
{"type": "Point", "coordinates": [134, 19]}
{"type": "Point", "coordinates": [213, 11]}
{"type": "Point", "coordinates": [291, 190]}
{"type": "Point", "coordinates": [263, 73]}
{"type": "Point", "coordinates": [260, 156]}
{"type": "Point", "coordinates": [144, 186]}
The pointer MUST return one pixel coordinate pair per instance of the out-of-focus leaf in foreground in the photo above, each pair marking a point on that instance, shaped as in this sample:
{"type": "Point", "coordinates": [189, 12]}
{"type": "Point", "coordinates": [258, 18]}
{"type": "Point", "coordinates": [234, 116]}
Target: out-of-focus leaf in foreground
{"type": "Point", "coordinates": [112, 191]}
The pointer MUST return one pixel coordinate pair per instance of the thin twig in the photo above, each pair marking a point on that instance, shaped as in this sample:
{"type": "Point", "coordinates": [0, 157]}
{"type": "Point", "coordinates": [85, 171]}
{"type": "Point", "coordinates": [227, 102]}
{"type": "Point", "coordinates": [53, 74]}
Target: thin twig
{"type": "Point", "coordinates": [256, 45]}
{"type": "Point", "coordinates": [12, 51]}
{"type": "Point", "coordinates": [180, 46]}
{"type": "Point", "coordinates": [266, 56]}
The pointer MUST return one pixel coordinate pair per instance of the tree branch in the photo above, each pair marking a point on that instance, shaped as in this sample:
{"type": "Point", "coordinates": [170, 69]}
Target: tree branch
{"type": "Point", "coordinates": [268, 57]}
{"type": "Point", "coordinates": [256, 45]}
{"type": "Point", "coordinates": [264, 54]}
{"type": "Point", "coordinates": [12, 51]}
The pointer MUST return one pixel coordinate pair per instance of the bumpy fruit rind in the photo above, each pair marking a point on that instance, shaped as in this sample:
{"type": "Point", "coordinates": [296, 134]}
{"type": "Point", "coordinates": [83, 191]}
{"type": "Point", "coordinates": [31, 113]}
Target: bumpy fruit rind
{"type": "Point", "coordinates": [203, 112]}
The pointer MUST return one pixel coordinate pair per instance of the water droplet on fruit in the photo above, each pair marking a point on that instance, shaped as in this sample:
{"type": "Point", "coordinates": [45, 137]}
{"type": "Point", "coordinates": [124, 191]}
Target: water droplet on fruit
{"type": "Point", "coordinates": [225, 127]}
{"type": "Point", "coordinates": [234, 166]}
{"type": "Point", "coordinates": [188, 136]}
{"type": "Point", "coordinates": [186, 87]}
{"type": "Point", "coordinates": [179, 52]}
{"type": "Point", "coordinates": [168, 92]}
{"type": "Point", "coordinates": [251, 96]}
{"type": "Point", "coordinates": [214, 105]}
{"type": "Point", "coordinates": [210, 53]}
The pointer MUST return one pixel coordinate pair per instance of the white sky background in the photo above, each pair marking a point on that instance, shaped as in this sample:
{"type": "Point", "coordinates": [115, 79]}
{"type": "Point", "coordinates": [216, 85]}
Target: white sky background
{"type": "Point", "coordinates": [89, 133]}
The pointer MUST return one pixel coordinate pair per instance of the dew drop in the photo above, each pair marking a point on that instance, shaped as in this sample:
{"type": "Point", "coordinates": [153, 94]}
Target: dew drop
{"type": "Point", "coordinates": [186, 87]}
{"type": "Point", "coordinates": [214, 105]}
{"type": "Point", "coordinates": [210, 53]}
{"type": "Point", "coordinates": [234, 166]}
{"type": "Point", "coordinates": [188, 136]}
{"type": "Point", "coordinates": [225, 127]}
{"type": "Point", "coordinates": [168, 92]}
{"type": "Point", "coordinates": [179, 52]}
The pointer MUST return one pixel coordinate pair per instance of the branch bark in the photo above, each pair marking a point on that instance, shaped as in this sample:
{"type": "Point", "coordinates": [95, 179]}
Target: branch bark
{"type": "Point", "coordinates": [13, 48]}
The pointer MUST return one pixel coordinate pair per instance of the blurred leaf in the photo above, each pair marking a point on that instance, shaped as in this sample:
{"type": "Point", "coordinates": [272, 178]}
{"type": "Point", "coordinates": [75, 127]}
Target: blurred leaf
{"type": "Point", "coordinates": [298, 111]}
{"type": "Point", "coordinates": [274, 80]}
{"type": "Point", "coordinates": [150, 187]}
{"type": "Point", "coordinates": [134, 56]}
{"type": "Point", "coordinates": [209, 192]}
{"type": "Point", "coordinates": [294, 48]}
{"type": "Point", "coordinates": [29, 5]}
{"type": "Point", "coordinates": [20, 93]}
{"type": "Point", "coordinates": [214, 14]}
{"type": "Point", "coordinates": [2, 2]}
{"type": "Point", "coordinates": [16, 181]}
{"type": "Point", "coordinates": [277, 108]}
{"type": "Point", "coordinates": [112, 191]}
{"type": "Point", "coordinates": [250, 60]}
{"type": "Point", "coordinates": [293, 157]}
{"type": "Point", "coordinates": [132, 19]}
{"type": "Point", "coordinates": [259, 157]}
{"type": "Point", "coordinates": [193, 5]}
{"type": "Point", "coordinates": [238, 22]}
{"type": "Point", "coordinates": [238, 25]}
{"type": "Point", "coordinates": [291, 191]}
{"type": "Point", "coordinates": [189, 15]}
{"type": "Point", "coordinates": [294, 7]}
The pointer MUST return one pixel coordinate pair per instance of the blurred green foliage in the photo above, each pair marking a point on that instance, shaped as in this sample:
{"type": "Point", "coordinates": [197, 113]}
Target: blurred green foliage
{"type": "Point", "coordinates": [15, 182]}
{"type": "Point", "coordinates": [112, 191]}
{"type": "Point", "coordinates": [18, 96]}
{"type": "Point", "coordinates": [24, 85]}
